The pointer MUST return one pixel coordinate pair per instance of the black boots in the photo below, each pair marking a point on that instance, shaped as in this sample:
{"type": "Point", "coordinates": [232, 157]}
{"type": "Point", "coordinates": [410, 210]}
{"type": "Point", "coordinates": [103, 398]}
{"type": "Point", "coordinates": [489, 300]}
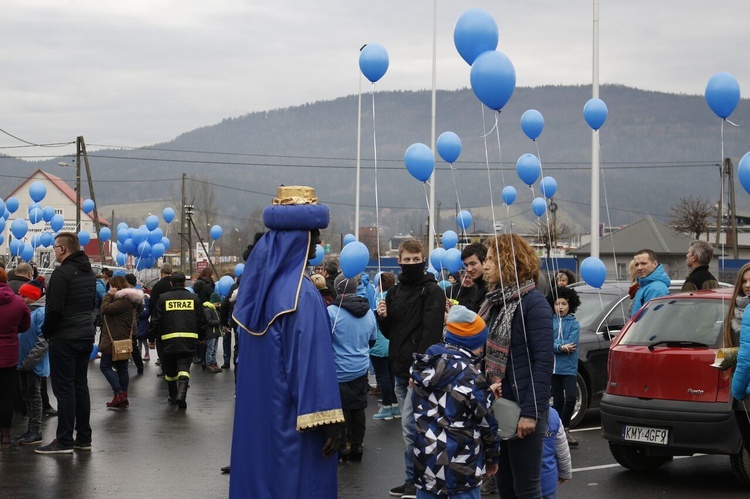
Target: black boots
{"type": "Point", "coordinates": [182, 388]}
{"type": "Point", "coordinates": [172, 385]}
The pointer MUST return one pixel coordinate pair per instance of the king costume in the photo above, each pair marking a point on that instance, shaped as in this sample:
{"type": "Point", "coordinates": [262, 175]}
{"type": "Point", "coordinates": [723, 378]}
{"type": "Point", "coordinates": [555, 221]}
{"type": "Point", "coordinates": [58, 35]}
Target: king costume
{"type": "Point", "coordinates": [288, 400]}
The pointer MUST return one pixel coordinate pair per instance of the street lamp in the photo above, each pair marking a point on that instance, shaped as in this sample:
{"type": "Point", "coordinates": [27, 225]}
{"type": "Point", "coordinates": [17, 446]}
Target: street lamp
{"type": "Point", "coordinates": [77, 166]}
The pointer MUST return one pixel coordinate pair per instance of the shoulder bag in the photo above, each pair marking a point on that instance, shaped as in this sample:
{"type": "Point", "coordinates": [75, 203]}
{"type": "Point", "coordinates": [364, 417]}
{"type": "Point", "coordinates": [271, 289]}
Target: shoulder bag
{"type": "Point", "coordinates": [121, 349]}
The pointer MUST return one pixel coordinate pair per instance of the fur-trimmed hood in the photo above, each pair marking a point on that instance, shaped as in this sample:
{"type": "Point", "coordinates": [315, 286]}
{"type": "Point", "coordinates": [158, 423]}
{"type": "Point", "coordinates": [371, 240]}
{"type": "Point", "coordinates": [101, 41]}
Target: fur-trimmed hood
{"type": "Point", "coordinates": [132, 294]}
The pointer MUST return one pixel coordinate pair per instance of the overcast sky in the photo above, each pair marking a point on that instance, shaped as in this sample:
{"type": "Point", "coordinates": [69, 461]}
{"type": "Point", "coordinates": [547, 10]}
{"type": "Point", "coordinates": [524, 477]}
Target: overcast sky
{"type": "Point", "coordinates": [139, 72]}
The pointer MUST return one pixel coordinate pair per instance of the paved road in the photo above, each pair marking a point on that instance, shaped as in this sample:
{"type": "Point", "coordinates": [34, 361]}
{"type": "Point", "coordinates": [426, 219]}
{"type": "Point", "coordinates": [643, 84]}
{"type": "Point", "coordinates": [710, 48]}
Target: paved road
{"type": "Point", "coordinates": [160, 451]}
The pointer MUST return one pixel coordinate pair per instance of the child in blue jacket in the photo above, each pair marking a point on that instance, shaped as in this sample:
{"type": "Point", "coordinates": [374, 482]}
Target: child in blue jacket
{"type": "Point", "coordinates": [556, 465]}
{"type": "Point", "coordinates": [566, 330]}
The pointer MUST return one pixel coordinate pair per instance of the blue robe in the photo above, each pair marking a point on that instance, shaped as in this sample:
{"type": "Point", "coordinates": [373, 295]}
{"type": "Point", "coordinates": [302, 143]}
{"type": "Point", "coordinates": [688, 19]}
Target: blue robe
{"type": "Point", "coordinates": [286, 384]}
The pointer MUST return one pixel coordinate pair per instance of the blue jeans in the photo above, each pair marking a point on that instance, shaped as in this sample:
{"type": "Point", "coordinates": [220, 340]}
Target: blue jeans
{"type": "Point", "coordinates": [520, 469]}
{"type": "Point", "coordinates": [408, 426]}
{"type": "Point", "coordinates": [384, 377]}
{"type": "Point", "coordinates": [469, 494]}
{"type": "Point", "coordinates": [69, 364]}
{"type": "Point", "coordinates": [211, 351]}
{"type": "Point", "coordinates": [118, 380]}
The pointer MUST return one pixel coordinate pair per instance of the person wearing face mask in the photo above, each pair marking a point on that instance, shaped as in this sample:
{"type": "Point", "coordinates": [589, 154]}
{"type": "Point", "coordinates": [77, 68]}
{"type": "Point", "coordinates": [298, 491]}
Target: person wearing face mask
{"type": "Point", "coordinates": [411, 317]}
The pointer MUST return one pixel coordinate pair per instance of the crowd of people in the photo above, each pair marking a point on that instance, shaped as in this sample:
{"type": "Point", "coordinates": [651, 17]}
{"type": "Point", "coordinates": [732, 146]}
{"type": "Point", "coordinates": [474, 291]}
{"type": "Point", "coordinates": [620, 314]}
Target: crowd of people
{"type": "Point", "coordinates": [450, 364]}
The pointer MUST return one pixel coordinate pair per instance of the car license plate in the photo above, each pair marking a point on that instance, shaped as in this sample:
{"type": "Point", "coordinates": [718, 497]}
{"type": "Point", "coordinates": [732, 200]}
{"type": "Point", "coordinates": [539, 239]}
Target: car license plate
{"type": "Point", "coordinates": [656, 436]}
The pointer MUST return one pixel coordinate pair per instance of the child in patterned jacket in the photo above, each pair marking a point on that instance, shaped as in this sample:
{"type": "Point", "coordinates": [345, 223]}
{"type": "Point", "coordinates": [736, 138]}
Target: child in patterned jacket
{"type": "Point", "coordinates": [456, 428]}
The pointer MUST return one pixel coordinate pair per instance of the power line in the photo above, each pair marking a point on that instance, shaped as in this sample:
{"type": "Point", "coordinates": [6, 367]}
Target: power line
{"type": "Point", "coordinates": [33, 144]}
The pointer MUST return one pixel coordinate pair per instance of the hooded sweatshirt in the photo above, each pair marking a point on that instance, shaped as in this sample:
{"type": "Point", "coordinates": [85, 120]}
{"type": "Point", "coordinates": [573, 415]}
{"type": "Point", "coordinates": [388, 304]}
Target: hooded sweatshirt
{"type": "Point", "coordinates": [354, 327]}
{"type": "Point", "coordinates": [654, 285]}
{"type": "Point", "coordinates": [70, 300]}
{"type": "Point", "coordinates": [15, 320]}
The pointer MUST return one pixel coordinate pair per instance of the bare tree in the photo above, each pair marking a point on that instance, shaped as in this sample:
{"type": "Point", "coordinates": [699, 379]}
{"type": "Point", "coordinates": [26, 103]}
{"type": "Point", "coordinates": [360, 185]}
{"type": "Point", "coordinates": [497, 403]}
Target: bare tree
{"type": "Point", "coordinates": [557, 230]}
{"type": "Point", "coordinates": [203, 197]}
{"type": "Point", "coordinates": [691, 215]}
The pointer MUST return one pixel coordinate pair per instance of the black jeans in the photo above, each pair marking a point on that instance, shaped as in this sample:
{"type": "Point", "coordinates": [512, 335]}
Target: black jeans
{"type": "Point", "coordinates": [520, 470]}
{"type": "Point", "coordinates": [32, 395]}
{"type": "Point", "coordinates": [226, 344]}
{"type": "Point", "coordinates": [743, 423]}
{"type": "Point", "coordinates": [564, 396]}
{"type": "Point", "coordinates": [69, 364]}
{"type": "Point", "coordinates": [385, 379]}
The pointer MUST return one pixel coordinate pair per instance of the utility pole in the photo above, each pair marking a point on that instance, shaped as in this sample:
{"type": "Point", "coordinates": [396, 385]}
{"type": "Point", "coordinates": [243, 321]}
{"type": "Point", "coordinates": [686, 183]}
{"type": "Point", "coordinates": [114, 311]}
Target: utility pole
{"type": "Point", "coordinates": [182, 226]}
{"type": "Point", "coordinates": [732, 207]}
{"type": "Point", "coordinates": [720, 210]}
{"type": "Point", "coordinates": [189, 223]}
{"type": "Point", "coordinates": [78, 184]}
{"type": "Point", "coordinates": [81, 147]}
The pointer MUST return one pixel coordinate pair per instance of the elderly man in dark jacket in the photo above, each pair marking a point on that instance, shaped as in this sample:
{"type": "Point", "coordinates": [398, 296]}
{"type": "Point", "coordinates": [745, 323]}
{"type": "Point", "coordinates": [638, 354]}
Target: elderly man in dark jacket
{"type": "Point", "coordinates": [69, 328]}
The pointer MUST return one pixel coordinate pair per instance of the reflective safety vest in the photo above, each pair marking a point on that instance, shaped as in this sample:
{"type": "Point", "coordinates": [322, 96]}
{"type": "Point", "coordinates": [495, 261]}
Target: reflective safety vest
{"type": "Point", "coordinates": [179, 322]}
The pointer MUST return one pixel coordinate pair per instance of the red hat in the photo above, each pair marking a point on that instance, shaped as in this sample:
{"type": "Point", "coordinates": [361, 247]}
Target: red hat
{"type": "Point", "coordinates": [31, 290]}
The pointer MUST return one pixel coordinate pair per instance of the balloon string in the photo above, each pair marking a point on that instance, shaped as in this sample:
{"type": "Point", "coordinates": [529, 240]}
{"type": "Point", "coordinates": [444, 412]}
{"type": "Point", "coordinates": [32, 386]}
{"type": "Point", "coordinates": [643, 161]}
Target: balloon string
{"type": "Point", "coordinates": [458, 201]}
{"type": "Point", "coordinates": [499, 148]}
{"type": "Point", "coordinates": [721, 191]}
{"type": "Point", "coordinates": [492, 202]}
{"type": "Point", "coordinates": [733, 124]}
{"type": "Point", "coordinates": [432, 226]}
{"type": "Point", "coordinates": [549, 231]}
{"type": "Point", "coordinates": [606, 207]}
{"type": "Point", "coordinates": [377, 204]}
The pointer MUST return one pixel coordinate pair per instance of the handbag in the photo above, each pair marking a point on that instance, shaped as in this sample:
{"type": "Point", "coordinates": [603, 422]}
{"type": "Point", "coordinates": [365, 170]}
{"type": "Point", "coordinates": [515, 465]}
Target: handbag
{"type": "Point", "coordinates": [121, 349]}
{"type": "Point", "coordinates": [507, 412]}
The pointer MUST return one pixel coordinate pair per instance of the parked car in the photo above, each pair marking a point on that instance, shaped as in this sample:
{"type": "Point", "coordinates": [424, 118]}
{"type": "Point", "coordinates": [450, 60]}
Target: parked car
{"type": "Point", "coordinates": [663, 397]}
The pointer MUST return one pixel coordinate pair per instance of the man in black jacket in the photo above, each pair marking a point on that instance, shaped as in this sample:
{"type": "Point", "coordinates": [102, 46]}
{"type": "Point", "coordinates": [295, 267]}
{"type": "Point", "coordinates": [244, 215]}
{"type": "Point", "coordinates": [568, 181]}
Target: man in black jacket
{"type": "Point", "coordinates": [178, 324]}
{"type": "Point", "coordinates": [69, 328]}
{"type": "Point", "coordinates": [163, 285]}
{"type": "Point", "coordinates": [411, 317]}
{"type": "Point", "coordinates": [697, 259]}
{"type": "Point", "coordinates": [471, 296]}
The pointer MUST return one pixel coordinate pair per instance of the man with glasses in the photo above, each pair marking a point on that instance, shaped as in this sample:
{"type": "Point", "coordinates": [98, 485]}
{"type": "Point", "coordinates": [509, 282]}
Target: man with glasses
{"type": "Point", "coordinates": [69, 328]}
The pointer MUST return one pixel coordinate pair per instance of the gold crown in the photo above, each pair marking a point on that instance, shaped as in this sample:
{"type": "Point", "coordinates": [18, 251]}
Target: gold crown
{"type": "Point", "coordinates": [295, 194]}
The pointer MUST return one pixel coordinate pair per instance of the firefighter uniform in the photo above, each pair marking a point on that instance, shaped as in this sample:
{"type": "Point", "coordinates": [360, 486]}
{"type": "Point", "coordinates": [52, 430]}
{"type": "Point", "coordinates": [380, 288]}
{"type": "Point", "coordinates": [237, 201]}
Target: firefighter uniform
{"type": "Point", "coordinates": [178, 325]}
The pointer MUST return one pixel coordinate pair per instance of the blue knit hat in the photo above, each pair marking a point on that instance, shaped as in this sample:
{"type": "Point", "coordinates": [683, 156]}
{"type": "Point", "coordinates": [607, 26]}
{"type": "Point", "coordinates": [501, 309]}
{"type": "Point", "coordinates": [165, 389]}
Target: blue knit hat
{"type": "Point", "coordinates": [465, 328]}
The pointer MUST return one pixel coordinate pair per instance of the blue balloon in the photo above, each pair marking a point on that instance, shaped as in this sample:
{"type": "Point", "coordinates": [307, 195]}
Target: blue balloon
{"type": "Point", "coordinates": [532, 123]}
{"type": "Point", "coordinates": [509, 194]}
{"type": "Point", "coordinates": [121, 225]}
{"type": "Point", "coordinates": [539, 206]}
{"type": "Point", "coordinates": [48, 213]}
{"type": "Point", "coordinates": [743, 172]}
{"type": "Point", "coordinates": [452, 260]}
{"type": "Point", "coordinates": [354, 258]}
{"type": "Point", "coordinates": [84, 237]}
{"type": "Point", "coordinates": [463, 220]}
{"type": "Point", "coordinates": [595, 113]}
{"type": "Point", "coordinates": [2, 206]}
{"type": "Point", "coordinates": [88, 206]}
{"type": "Point", "coordinates": [94, 352]}
{"type": "Point", "coordinates": [420, 161]}
{"type": "Point", "coordinates": [449, 147]}
{"type": "Point", "coordinates": [155, 236]}
{"type": "Point", "coordinates": [36, 215]}
{"type": "Point", "coordinates": [548, 186]}
{"type": "Point", "coordinates": [2, 225]}
{"type": "Point", "coordinates": [349, 238]}
{"type": "Point", "coordinates": [11, 205]}
{"type": "Point", "coordinates": [27, 253]}
{"type": "Point", "coordinates": [15, 246]}
{"type": "Point", "coordinates": [37, 191]}
{"type": "Point", "coordinates": [165, 241]}
{"type": "Point", "coordinates": [104, 234]}
{"type": "Point", "coordinates": [144, 249]}
{"type": "Point", "coordinates": [437, 258]}
{"type": "Point", "coordinates": [240, 268]}
{"type": "Point", "coordinates": [36, 240]}
{"type": "Point", "coordinates": [122, 235]}
{"type": "Point", "coordinates": [121, 258]}
{"type": "Point", "coordinates": [493, 79]}
{"type": "Point", "coordinates": [32, 206]}
{"type": "Point", "coordinates": [47, 239]}
{"type": "Point", "coordinates": [475, 32]}
{"type": "Point", "coordinates": [444, 285]}
{"type": "Point", "coordinates": [432, 270]}
{"type": "Point", "coordinates": [373, 61]}
{"type": "Point", "coordinates": [528, 168]}
{"type": "Point", "coordinates": [19, 228]}
{"type": "Point", "coordinates": [320, 253]}
{"type": "Point", "coordinates": [2, 239]}
{"type": "Point", "coordinates": [139, 235]}
{"type": "Point", "coordinates": [130, 247]}
{"type": "Point", "coordinates": [722, 94]}
{"type": "Point", "coordinates": [157, 250]}
{"type": "Point", "coordinates": [224, 285]}
{"type": "Point", "coordinates": [216, 232]}
{"type": "Point", "coordinates": [152, 222]}
{"type": "Point", "coordinates": [450, 239]}
{"type": "Point", "coordinates": [168, 214]}
{"type": "Point", "coordinates": [57, 222]}
{"type": "Point", "coordinates": [593, 272]}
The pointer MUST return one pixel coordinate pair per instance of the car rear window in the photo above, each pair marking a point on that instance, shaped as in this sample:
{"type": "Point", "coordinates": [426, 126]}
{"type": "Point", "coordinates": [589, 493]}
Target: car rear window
{"type": "Point", "coordinates": [681, 320]}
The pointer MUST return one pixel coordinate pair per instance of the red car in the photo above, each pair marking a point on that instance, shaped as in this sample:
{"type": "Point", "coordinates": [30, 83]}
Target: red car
{"type": "Point", "coordinates": [663, 398]}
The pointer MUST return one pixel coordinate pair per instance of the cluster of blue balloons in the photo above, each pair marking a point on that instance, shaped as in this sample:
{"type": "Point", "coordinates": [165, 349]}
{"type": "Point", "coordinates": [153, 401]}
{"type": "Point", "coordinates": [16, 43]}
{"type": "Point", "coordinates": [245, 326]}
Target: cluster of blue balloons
{"type": "Point", "coordinates": [529, 169]}
{"type": "Point", "coordinates": [146, 243]}
{"type": "Point", "coordinates": [448, 257]}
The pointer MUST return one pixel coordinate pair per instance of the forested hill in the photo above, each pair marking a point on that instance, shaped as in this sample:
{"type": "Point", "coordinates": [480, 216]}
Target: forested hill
{"type": "Point", "coordinates": [655, 148]}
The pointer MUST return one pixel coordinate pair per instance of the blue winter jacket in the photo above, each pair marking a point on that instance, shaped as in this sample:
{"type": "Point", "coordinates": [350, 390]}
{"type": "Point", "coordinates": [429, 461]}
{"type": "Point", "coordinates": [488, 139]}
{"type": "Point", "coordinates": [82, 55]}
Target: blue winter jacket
{"type": "Point", "coordinates": [566, 330]}
{"type": "Point", "coordinates": [741, 378]}
{"type": "Point", "coordinates": [353, 327]}
{"type": "Point", "coordinates": [654, 285]}
{"type": "Point", "coordinates": [32, 345]}
{"type": "Point", "coordinates": [555, 455]}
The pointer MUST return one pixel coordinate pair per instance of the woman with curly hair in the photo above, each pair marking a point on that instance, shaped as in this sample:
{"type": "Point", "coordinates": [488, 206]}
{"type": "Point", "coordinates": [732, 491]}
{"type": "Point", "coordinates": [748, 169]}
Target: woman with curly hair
{"type": "Point", "coordinates": [566, 330]}
{"type": "Point", "coordinates": [519, 354]}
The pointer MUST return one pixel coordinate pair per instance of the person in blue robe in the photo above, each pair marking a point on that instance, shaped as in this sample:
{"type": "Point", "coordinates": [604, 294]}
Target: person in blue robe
{"type": "Point", "coordinates": [288, 408]}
